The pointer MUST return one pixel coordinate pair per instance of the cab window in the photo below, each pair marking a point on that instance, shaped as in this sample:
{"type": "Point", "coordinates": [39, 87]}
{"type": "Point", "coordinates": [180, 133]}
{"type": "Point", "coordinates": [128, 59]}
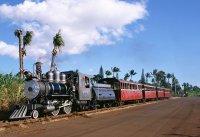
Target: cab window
{"type": "Point", "coordinates": [87, 82]}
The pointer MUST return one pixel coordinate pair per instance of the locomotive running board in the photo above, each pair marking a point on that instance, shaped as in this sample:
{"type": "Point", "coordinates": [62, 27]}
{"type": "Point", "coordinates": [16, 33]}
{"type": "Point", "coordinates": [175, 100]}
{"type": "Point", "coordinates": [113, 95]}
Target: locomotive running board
{"type": "Point", "coordinates": [19, 113]}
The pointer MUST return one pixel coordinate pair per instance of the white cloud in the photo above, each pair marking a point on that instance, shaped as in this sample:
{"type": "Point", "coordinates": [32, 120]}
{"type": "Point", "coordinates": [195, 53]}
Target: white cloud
{"type": "Point", "coordinates": [8, 50]}
{"type": "Point", "coordinates": [84, 23]}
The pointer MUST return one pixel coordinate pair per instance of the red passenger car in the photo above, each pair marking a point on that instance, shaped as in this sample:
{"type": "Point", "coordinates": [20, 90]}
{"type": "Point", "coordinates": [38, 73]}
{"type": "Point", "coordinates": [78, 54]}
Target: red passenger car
{"type": "Point", "coordinates": [124, 90]}
{"type": "Point", "coordinates": [149, 92]}
{"type": "Point", "coordinates": [167, 93]}
{"type": "Point", "coordinates": [160, 93]}
{"type": "Point", "coordinates": [128, 91]}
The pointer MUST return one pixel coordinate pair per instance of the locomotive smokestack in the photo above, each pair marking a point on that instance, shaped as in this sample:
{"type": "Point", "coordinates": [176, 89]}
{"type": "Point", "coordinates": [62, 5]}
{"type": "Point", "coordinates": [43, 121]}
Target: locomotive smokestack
{"type": "Point", "coordinates": [37, 70]}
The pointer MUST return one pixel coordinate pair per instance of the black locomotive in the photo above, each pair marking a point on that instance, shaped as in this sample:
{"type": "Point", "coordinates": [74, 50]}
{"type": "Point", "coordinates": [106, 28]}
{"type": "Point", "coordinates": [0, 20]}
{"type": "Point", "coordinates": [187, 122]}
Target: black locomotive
{"type": "Point", "coordinates": [62, 91]}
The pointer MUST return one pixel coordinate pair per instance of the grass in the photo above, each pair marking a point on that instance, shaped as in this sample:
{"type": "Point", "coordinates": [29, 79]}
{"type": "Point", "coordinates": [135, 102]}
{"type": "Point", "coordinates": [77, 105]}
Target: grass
{"type": "Point", "coordinates": [11, 91]}
{"type": "Point", "coordinates": [194, 93]}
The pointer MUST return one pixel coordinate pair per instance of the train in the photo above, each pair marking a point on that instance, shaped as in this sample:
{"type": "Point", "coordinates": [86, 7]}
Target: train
{"type": "Point", "coordinates": [63, 92]}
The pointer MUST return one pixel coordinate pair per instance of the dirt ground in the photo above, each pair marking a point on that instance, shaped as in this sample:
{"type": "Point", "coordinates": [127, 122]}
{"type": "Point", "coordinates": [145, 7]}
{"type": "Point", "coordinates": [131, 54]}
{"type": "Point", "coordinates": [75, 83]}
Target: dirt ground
{"type": "Point", "coordinates": [168, 118]}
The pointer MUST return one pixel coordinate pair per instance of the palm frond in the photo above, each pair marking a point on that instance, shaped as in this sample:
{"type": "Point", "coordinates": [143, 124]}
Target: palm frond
{"type": "Point", "coordinates": [58, 41]}
{"type": "Point", "coordinates": [27, 38]}
{"type": "Point", "coordinates": [17, 33]}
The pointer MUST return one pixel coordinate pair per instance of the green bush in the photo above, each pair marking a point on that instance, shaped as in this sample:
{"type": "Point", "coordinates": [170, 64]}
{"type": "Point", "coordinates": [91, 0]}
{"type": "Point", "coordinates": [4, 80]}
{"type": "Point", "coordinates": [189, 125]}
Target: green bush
{"type": "Point", "coordinates": [11, 91]}
{"type": "Point", "coordinates": [194, 93]}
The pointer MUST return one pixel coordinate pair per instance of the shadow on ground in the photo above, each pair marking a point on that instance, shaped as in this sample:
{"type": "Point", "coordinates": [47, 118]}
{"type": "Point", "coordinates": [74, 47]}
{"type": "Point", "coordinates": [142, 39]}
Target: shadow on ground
{"type": "Point", "coordinates": [4, 115]}
{"type": "Point", "coordinates": [180, 135]}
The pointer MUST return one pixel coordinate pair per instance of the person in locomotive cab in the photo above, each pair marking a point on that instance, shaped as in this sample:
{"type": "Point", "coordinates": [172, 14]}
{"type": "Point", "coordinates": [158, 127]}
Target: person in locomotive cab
{"type": "Point", "coordinates": [87, 82]}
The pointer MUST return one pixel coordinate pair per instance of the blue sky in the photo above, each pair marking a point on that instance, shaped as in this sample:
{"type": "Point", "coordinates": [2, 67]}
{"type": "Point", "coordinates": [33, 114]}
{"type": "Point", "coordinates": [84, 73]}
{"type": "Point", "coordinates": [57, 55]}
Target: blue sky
{"type": "Point", "coordinates": [165, 37]}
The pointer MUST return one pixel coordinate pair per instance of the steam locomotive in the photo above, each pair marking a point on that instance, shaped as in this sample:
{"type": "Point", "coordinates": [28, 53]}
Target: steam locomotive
{"type": "Point", "coordinates": [61, 91]}
{"type": "Point", "coordinates": [68, 91]}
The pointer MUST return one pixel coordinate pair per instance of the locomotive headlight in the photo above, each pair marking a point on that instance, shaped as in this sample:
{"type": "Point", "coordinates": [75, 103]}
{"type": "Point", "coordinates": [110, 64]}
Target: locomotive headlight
{"type": "Point", "coordinates": [31, 89]}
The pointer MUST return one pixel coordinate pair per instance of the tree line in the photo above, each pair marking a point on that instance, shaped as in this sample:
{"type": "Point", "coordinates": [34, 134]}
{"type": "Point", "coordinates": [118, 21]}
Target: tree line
{"type": "Point", "coordinates": [190, 90]}
{"type": "Point", "coordinates": [156, 77]}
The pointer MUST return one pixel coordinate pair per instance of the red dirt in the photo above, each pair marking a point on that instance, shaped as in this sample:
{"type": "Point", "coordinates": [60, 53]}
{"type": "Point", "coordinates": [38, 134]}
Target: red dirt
{"type": "Point", "coordinates": [171, 118]}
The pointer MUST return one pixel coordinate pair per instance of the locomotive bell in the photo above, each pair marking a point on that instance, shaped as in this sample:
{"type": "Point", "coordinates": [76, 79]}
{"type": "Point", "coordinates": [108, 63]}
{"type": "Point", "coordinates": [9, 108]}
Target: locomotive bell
{"type": "Point", "coordinates": [63, 78]}
{"type": "Point", "coordinates": [50, 76]}
{"type": "Point", "coordinates": [56, 76]}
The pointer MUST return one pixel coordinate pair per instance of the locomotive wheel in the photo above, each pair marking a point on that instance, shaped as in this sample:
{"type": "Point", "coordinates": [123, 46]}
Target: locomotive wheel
{"type": "Point", "coordinates": [34, 114]}
{"type": "Point", "coordinates": [67, 109]}
{"type": "Point", "coordinates": [103, 105]}
{"type": "Point", "coordinates": [55, 112]}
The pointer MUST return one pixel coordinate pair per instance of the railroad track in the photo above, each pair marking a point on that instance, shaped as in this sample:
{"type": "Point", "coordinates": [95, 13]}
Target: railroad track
{"type": "Point", "coordinates": [24, 123]}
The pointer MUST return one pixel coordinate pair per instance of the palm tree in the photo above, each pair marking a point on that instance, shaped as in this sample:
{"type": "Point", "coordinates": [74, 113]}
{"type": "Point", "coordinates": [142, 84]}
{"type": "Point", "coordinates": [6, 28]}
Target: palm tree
{"type": "Point", "coordinates": [175, 83]}
{"type": "Point", "coordinates": [160, 76]}
{"type": "Point", "coordinates": [22, 51]}
{"type": "Point", "coordinates": [117, 76]}
{"type": "Point", "coordinates": [115, 70]}
{"type": "Point", "coordinates": [154, 75]}
{"type": "Point", "coordinates": [112, 69]}
{"type": "Point", "coordinates": [168, 77]}
{"type": "Point", "coordinates": [132, 73]}
{"type": "Point", "coordinates": [126, 76]}
{"type": "Point", "coordinates": [18, 34]}
{"type": "Point", "coordinates": [58, 42]}
{"type": "Point", "coordinates": [26, 41]}
{"type": "Point", "coordinates": [147, 75]}
{"type": "Point", "coordinates": [185, 86]}
{"type": "Point", "coordinates": [97, 77]}
{"type": "Point", "coordinates": [108, 73]}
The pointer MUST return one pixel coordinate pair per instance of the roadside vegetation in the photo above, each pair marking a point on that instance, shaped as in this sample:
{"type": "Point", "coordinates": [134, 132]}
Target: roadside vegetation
{"type": "Point", "coordinates": [193, 93]}
{"type": "Point", "coordinates": [10, 91]}
{"type": "Point", "coordinates": [155, 78]}
{"type": "Point", "coordinates": [191, 90]}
